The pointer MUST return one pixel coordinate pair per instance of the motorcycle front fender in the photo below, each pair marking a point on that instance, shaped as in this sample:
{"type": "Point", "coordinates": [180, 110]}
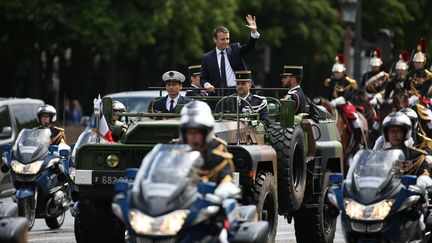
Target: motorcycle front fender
{"type": "Point", "coordinates": [25, 192]}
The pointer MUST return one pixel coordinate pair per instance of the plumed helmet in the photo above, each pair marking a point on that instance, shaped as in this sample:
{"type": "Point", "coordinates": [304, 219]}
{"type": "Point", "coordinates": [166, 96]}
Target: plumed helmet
{"type": "Point", "coordinates": [339, 65]}
{"type": "Point", "coordinates": [402, 64]}
{"type": "Point", "coordinates": [420, 55]}
{"type": "Point", "coordinates": [376, 60]}
{"type": "Point", "coordinates": [117, 106]}
{"type": "Point", "coordinates": [47, 109]}
{"type": "Point", "coordinates": [412, 115]}
{"type": "Point", "coordinates": [397, 119]}
{"type": "Point", "coordinates": [197, 114]}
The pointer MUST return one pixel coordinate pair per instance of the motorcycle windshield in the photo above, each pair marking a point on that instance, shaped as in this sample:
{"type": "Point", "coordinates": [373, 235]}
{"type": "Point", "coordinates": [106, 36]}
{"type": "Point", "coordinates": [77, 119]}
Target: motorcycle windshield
{"type": "Point", "coordinates": [32, 145]}
{"type": "Point", "coordinates": [165, 179]}
{"type": "Point", "coordinates": [374, 174]}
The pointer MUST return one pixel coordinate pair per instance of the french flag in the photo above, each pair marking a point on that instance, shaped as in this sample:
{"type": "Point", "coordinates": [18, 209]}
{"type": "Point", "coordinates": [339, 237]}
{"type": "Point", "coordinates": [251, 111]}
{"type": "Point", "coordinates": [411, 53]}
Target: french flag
{"type": "Point", "coordinates": [103, 125]}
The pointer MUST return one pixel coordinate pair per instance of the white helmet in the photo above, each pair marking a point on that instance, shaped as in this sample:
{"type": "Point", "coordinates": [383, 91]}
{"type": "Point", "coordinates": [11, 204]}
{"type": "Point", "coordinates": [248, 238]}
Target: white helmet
{"type": "Point", "coordinates": [412, 115]}
{"type": "Point", "coordinates": [117, 106]}
{"type": "Point", "coordinates": [47, 109]}
{"type": "Point", "coordinates": [376, 60]}
{"type": "Point", "coordinates": [339, 66]}
{"type": "Point", "coordinates": [397, 119]}
{"type": "Point", "coordinates": [197, 114]}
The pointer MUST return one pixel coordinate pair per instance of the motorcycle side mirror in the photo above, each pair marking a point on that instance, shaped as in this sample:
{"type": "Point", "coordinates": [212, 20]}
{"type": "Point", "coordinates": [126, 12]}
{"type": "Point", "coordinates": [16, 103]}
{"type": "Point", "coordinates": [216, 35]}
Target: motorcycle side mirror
{"type": "Point", "coordinates": [408, 180]}
{"type": "Point", "coordinates": [121, 186]}
{"type": "Point", "coordinates": [208, 187]}
{"type": "Point", "coordinates": [131, 173]}
{"type": "Point", "coordinates": [6, 147]}
{"type": "Point", "coordinates": [336, 178]}
{"type": "Point", "coordinates": [53, 148]}
{"type": "Point", "coordinates": [72, 146]}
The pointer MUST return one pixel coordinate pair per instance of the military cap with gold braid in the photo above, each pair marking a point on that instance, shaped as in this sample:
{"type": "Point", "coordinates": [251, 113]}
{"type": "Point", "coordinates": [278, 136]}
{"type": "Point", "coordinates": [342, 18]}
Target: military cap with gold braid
{"type": "Point", "coordinates": [296, 71]}
{"type": "Point", "coordinates": [243, 76]}
{"type": "Point", "coordinates": [194, 70]}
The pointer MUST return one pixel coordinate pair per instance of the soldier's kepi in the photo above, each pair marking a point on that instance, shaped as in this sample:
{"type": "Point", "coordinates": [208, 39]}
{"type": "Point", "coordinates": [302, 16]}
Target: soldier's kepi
{"type": "Point", "coordinates": [258, 103]}
{"type": "Point", "coordinates": [339, 84]}
{"type": "Point", "coordinates": [291, 78]}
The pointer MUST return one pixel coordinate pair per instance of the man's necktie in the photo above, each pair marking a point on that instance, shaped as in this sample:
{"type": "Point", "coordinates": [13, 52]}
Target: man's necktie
{"type": "Point", "coordinates": [223, 71]}
{"type": "Point", "coordinates": [171, 110]}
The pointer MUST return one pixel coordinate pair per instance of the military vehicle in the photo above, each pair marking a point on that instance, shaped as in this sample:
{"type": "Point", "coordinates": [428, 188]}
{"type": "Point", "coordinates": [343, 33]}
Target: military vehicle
{"type": "Point", "coordinates": [282, 169]}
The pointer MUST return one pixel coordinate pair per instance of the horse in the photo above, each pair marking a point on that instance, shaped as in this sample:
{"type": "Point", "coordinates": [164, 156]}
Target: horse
{"type": "Point", "coordinates": [352, 126]}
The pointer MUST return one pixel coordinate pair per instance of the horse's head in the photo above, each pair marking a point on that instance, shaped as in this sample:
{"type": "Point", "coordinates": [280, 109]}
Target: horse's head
{"type": "Point", "coordinates": [400, 99]}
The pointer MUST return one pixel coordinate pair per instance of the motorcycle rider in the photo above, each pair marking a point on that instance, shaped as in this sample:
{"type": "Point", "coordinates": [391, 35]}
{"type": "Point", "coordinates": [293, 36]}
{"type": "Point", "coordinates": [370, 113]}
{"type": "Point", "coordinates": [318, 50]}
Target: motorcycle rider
{"type": "Point", "coordinates": [196, 130]}
{"type": "Point", "coordinates": [118, 108]}
{"type": "Point", "coordinates": [47, 115]}
{"type": "Point", "coordinates": [396, 130]}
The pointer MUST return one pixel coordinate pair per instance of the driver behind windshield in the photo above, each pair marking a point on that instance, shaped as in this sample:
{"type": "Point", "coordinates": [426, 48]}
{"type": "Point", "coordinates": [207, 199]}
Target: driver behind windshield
{"type": "Point", "coordinates": [47, 115]}
{"type": "Point", "coordinates": [258, 103]}
{"type": "Point", "coordinates": [196, 130]}
{"type": "Point", "coordinates": [396, 130]}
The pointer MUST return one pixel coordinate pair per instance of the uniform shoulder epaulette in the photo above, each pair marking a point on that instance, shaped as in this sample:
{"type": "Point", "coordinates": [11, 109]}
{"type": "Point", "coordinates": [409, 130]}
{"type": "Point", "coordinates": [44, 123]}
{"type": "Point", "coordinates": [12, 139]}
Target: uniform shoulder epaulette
{"type": "Point", "coordinates": [327, 82]}
{"type": "Point", "coordinates": [428, 73]}
{"type": "Point", "coordinates": [220, 140]}
{"type": "Point", "coordinates": [351, 80]}
{"type": "Point", "coordinates": [421, 151]}
{"type": "Point", "coordinates": [59, 128]}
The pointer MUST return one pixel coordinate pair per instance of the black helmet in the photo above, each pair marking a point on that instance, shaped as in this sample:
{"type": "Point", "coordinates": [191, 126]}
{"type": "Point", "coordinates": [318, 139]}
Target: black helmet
{"type": "Point", "coordinates": [47, 109]}
{"type": "Point", "coordinates": [397, 119]}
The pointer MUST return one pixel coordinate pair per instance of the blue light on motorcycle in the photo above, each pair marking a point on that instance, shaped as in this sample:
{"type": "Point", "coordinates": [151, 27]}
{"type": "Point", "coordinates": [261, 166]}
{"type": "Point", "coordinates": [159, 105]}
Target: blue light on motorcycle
{"type": "Point", "coordinates": [131, 173]}
{"type": "Point", "coordinates": [336, 178]}
{"type": "Point", "coordinates": [408, 180]}
{"type": "Point", "coordinates": [121, 186]}
{"type": "Point", "coordinates": [52, 148]}
{"type": "Point", "coordinates": [6, 147]}
{"type": "Point", "coordinates": [205, 188]}
{"type": "Point", "coordinates": [64, 153]}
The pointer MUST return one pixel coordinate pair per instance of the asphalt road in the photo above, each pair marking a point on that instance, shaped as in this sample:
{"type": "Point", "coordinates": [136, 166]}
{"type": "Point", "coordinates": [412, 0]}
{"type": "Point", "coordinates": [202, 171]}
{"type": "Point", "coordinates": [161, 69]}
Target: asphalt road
{"type": "Point", "coordinates": [41, 233]}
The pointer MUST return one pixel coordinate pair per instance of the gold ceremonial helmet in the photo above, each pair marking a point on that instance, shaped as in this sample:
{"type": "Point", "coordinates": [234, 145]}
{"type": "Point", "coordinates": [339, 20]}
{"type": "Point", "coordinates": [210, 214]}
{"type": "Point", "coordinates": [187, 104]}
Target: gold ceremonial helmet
{"type": "Point", "coordinates": [339, 65]}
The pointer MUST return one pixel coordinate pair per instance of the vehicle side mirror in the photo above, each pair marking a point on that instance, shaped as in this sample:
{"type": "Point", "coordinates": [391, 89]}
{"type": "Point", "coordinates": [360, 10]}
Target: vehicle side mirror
{"type": "Point", "coordinates": [131, 173]}
{"type": "Point", "coordinates": [6, 132]}
{"type": "Point", "coordinates": [64, 153]}
{"type": "Point", "coordinates": [408, 180]}
{"type": "Point", "coordinates": [121, 186]}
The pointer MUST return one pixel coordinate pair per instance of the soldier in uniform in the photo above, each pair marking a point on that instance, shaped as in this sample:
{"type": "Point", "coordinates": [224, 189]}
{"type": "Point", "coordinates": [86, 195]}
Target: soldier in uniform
{"type": "Point", "coordinates": [396, 130]}
{"type": "Point", "coordinates": [398, 80]}
{"type": "Point", "coordinates": [195, 78]}
{"type": "Point", "coordinates": [118, 108]}
{"type": "Point", "coordinates": [259, 103]}
{"type": "Point", "coordinates": [196, 130]}
{"type": "Point", "coordinates": [47, 115]}
{"type": "Point", "coordinates": [419, 80]}
{"type": "Point", "coordinates": [173, 84]}
{"type": "Point", "coordinates": [375, 80]}
{"type": "Point", "coordinates": [291, 78]}
{"type": "Point", "coordinates": [340, 84]}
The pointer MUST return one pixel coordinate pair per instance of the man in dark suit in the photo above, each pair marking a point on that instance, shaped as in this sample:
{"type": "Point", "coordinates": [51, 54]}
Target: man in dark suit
{"type": "Point", "coordinates": [195, 78]}
{"type": "Point", "coordinates": [173, 84]}
{"type": "Point", "coordinates": [291, 78]}
{"type": "Point", "coordinates": [219, 65]}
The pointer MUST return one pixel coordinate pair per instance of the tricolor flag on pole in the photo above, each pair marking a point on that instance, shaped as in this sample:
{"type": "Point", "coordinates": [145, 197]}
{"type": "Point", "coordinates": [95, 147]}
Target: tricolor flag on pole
{"type": "Point", "coordinates": [99, 122]}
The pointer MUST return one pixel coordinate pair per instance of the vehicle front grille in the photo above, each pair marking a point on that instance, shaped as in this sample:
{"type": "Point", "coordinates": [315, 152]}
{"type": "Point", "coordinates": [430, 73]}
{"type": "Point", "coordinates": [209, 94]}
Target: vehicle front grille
{"type": "Point", "coordinates": [370, 228]}
{"type": "Point", "coordinates": [133, 156]}
{"type": "Point", "coordinates": [149, 240]}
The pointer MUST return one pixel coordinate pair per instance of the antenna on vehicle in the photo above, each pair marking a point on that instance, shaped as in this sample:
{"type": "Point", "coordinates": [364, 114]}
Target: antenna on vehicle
{"type": "Point", "coordinates": [238, 119]}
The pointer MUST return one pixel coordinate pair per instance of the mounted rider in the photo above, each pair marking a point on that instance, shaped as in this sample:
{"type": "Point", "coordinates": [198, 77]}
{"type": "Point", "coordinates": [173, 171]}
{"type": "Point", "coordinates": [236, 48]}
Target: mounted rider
{"type": "Point", "coordinates": [340, 84]}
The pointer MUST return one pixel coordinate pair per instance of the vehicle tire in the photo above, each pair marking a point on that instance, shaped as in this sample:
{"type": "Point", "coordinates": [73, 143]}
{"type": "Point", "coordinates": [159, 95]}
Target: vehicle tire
{"type": "Point", "coordinates": [316, 224]}
{"type": "Point", "coordinates": [95, 222]}
{"type": "Point", "coordinates": [265, 196]}
{"type": "Point", "coordinates": [27, 209]}
{"type": "Point", "coordinates": [55, 222]}
{"type": "Point", "coordinates": [291, 179]}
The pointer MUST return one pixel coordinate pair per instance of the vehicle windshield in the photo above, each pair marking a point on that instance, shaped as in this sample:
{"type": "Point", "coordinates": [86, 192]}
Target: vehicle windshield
{"type": "Point", "coordinates": [375, 169]}
{"type": "Point", "coordinates": [135, 104]}
{"type": "Point", "coordinates": [32, 144]}
{"type": "Point", "coordinates": [167, 168]}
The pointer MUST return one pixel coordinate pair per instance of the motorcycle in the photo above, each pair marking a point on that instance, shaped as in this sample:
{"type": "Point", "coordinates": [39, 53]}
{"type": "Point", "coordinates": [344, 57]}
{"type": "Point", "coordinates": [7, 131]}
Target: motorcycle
{"type": "Point", "coordinates": [377, 202]}
{"type": "Point", "coordinates": [167, 202]}
{"type": "Point", "coordinates": [38, 176]}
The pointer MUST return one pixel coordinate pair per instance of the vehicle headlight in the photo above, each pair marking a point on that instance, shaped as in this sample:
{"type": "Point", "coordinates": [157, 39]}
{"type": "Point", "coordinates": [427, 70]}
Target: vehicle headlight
{"type": "Point", "coordinates": [168, 224]}
{"type": "Point", "coordinates": [112, 160]}
{"type": "Point", "coordinates": [377, 211]}
{"type": "Point", "coordinates": [27, 169]}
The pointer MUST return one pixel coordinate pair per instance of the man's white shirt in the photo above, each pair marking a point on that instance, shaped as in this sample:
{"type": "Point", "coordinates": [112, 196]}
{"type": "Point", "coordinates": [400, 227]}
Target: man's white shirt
{"type": "Point", "coordinates": [168, 102]}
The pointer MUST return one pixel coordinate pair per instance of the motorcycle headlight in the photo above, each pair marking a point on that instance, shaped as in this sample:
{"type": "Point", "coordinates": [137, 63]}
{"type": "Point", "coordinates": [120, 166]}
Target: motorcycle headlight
{"type": "Point", "coordinates": [377, 211]}
{"type": "Point", "coordinates": [27, 169]}
{"type": "Point", "coordinates": [168, 224]}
